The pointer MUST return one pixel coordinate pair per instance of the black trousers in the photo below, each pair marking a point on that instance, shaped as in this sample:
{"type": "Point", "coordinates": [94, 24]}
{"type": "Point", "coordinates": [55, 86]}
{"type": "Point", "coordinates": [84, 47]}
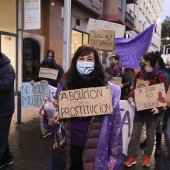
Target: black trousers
{"type": "Point", "coordinates": [5, 153]}
{"type": "Point", "coordinates": [76, 157]}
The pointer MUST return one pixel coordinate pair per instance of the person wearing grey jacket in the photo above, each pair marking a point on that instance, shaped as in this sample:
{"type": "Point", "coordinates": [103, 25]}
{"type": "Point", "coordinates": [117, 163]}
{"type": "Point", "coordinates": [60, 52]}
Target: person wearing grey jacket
{"type": "Point", "coordinates": [7, 77]}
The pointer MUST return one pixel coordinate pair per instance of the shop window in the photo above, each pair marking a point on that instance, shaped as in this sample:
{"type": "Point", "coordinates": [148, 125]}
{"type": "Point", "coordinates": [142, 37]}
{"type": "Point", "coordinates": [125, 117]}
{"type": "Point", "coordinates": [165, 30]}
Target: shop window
{"type": "Point", "coordinates": [78, 39]}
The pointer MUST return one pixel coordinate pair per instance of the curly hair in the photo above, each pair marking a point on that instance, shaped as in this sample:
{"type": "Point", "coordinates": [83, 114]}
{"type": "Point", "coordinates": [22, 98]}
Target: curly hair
{"type": "Point", "coordinates": [152, 57]}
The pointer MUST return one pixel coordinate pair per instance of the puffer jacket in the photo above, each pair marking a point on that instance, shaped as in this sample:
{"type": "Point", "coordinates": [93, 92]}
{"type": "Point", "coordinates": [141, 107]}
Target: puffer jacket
{"type": "Point", "coordinates": [7, 77]}
{"type": "Point", "coordinates": [104, 137]}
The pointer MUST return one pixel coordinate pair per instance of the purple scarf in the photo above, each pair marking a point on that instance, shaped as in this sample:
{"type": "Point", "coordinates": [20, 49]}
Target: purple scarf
{"type": "Point", "coordinates": [148, 74]}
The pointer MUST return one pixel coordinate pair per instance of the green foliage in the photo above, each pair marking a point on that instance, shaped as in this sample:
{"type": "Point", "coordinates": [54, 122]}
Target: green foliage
{"type": "Point", "coordinates": [166, 27]}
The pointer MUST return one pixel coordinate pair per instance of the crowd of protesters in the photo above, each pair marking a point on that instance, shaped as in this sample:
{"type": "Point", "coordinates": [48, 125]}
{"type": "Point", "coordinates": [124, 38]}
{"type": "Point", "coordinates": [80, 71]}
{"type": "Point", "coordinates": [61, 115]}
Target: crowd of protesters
{"type": "Point", "coordinates": [95, 142]}
{"type": "Point", "coordinates": [82, 146]}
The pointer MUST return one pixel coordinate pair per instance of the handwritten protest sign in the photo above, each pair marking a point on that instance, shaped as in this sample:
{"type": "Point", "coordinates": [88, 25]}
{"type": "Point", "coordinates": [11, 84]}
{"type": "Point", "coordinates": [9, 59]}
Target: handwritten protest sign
{"type": "Point", "coordinates": [168, 97]}
{"type": "Point", "coordinates": [116, 80]}
{"type": "Point", "coordinates": [150, 97]}
{"type": "Point", "coordinates": [48, 73]}
{"type": "Point", "coordinates": [103, 39]}
{"type": "Point", "coordinates": [142, 83]}
{"type": "Point", "coordinates": [94, 24]}
{"type": "Point", "coordinates": [32, 96]}
{"type": "Point", "coordinates": [85, 102]}
{"type": "Point", "coordinates": [127, 115]}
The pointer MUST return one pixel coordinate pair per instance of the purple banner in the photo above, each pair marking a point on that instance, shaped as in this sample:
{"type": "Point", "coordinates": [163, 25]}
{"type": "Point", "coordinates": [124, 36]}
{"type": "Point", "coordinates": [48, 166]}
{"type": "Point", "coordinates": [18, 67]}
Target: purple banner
{"type": "Point", "coordinates": [131, 50]}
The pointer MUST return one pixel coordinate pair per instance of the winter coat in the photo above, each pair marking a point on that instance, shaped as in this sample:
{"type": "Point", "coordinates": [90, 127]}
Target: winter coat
{"type": "Point", "coordinates": [104, 137]}
{"type": "Point", "coordinates": [154, 78]}
{"type": "Point", "coordinates": [55, 66]}
{"type": "Point", "coordinates": [7, 77]}
{"type": "Point", "coordinates": [121, 72]}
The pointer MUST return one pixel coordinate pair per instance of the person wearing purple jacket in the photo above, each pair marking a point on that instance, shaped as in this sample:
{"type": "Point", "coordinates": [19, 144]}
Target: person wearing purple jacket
{"type": "Point", "coordinates": [94, 142]}
{"type": "Point", "coordinates": [7, 77]}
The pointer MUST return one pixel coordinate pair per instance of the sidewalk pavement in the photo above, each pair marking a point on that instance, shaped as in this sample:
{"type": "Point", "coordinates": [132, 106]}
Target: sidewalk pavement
{"type": "Point", "coordinates": [33, 153]}
{"type": "Point", "coordinates": [157, 163]}
{"type": "Point", "coordinates": [30, 151]}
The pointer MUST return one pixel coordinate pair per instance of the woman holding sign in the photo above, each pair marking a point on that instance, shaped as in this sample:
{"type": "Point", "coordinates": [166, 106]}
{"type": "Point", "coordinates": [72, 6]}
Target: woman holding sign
{"type": "Point", "coordinates": [92, 142]}
{"type": "Point", "coordinates": [48, 72]}
{"type": "Point", "coordinates": [149, 74]}
{"type": "Point", "coordinates": [48, 65]}
{"type": "Point", "coordinates": [116, 71]}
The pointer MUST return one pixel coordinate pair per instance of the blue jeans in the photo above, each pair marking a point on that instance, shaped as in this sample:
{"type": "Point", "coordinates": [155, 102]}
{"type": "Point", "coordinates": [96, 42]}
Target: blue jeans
{"type": "Point", "coordinates": [5, 153]}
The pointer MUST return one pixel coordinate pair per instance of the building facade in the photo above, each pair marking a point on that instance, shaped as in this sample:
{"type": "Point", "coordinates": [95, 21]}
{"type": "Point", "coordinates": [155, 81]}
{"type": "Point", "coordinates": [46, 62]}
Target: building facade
{"type": "Point", "coordinates": [27, 47]}
{"type": "Point", "coordinates": [145, 13]}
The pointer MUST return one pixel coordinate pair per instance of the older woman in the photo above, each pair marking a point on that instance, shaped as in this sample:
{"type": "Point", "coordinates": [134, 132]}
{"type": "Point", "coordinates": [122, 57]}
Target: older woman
{"type": "Point", "coordinates": [93, 142]}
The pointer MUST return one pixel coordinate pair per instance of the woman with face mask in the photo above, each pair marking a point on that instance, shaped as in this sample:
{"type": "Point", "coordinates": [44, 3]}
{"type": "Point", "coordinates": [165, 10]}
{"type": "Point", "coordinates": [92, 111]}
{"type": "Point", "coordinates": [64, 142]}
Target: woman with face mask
{"type": "Point", "coordinates": [48, 62]}
{"type": "Point", "coordinates": [149, 117]}
{"type": "Point", "coordinates": [85, 147]}
{"type": "Point", "coordinates": [115, 70]}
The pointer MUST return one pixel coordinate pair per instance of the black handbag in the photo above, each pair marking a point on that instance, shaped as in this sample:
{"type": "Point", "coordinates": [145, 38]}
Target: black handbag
{"type": "Point", "coordinates": [58, 159]}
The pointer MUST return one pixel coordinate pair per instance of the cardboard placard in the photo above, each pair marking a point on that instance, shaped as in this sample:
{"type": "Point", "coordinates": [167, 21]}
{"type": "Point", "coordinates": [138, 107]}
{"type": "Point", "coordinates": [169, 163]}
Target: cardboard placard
{"type": "Point", "coordinates": [168, 97]}
{"type": "Point", "coordinates": [48, 73]}
{"type": "Point", "coordinates": [102, 39]}
{"type": "Point", "coordinates": [85, 102]}
{"type": "Point", "coordinates": [116, 80]}
{"type": "Point", "coordinates": [95, 24]}
{"type": "Point", "coordinates": [141, 83]}
{"type": "Point", "coordinates": [150, 97]}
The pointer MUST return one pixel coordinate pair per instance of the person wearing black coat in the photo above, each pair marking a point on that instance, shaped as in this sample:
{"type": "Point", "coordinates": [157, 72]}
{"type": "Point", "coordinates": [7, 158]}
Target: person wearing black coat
{"type": "Point", "coordinates": [116, 71]}
{"type": "Point", "coordinates": [7, 77]}
{"type": "Point", "coordinates": [48, 62]}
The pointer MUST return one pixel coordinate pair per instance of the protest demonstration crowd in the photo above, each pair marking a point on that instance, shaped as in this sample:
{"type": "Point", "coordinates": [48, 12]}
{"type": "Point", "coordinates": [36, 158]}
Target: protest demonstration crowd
{"type": "Point", "coordinates": [95, 111]}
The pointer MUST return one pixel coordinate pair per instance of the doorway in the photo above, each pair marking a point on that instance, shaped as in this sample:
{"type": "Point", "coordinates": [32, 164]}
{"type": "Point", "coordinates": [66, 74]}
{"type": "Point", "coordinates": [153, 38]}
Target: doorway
{"type": "Point", "coordinates": [31, 58]}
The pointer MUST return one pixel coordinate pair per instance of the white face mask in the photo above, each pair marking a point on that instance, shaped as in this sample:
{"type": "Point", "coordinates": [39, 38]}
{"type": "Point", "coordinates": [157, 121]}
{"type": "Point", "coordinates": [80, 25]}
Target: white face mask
{"type": "Point", "coordinates": [85, 68]}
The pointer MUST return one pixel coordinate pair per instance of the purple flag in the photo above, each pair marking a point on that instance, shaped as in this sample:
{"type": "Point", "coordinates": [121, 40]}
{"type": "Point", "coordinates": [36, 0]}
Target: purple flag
{"type": "Point", "coordinates": [131, 50]}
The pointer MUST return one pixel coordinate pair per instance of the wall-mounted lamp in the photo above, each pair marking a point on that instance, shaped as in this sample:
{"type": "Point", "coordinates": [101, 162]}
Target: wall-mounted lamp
{"type": "Point", "coordinates": [158, 20]}
{"type": "Point", "coordinates": [166, 38]}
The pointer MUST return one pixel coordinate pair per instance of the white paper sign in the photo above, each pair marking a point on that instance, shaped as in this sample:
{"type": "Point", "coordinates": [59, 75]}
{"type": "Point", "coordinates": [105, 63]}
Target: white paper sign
{"type": "Point", "coordinates": [94, 24]}
{"type": "Point", "coordinates": [32, 14]}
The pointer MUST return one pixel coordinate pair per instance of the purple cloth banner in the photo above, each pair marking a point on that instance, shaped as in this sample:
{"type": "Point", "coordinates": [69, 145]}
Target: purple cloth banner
{"type": "Point", "coordinates": [131, 50]}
